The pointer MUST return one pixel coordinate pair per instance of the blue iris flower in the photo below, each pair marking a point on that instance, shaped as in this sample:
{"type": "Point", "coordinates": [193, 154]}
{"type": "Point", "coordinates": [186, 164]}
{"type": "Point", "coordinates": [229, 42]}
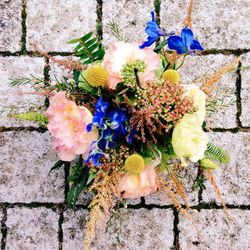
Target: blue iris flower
{"type": "Point", "coordinates": [153, 31]}
{"type": "Point", "coordinates": [184, 43]}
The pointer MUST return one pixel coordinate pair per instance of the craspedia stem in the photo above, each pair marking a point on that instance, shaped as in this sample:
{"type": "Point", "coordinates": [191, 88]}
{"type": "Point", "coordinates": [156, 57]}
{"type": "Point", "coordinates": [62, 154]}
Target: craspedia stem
{"type": "Point", "coordinates": [137, 78]}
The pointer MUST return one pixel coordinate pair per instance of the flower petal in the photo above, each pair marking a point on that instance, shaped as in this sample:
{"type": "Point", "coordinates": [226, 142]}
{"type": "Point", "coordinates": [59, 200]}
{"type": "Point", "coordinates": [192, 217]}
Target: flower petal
{"type": "Point", "coordinates": [175, 43]}
{"type": "Point", "coordinates": [196, 45]}
{"type": "Point", "coordinates": [153, 29]}
{"type": "Point", "coordinates": [148, 43]}
{"type": "Point", "coordinates": [153, 16]}
{"type": "Point", "coordinates": [187, 36]}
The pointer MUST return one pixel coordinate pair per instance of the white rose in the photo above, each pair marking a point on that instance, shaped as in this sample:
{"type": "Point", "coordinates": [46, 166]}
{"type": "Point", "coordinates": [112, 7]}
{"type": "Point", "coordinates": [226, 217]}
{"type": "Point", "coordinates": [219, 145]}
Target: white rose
{"type": "Point", "coordinates": [188, 139]}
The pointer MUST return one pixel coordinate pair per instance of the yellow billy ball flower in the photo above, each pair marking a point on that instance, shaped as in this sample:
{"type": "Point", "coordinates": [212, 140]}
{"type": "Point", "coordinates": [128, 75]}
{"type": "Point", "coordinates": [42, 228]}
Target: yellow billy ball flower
{"type": "Point", "coordinates": [134, 164]}
{"type": "Point", "coordinates": [171, 75]}
{"type": "Point", "coordinates": [96, 75]}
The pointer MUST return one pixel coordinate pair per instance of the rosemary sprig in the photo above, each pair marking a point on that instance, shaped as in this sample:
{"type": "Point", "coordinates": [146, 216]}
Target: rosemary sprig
{"type": "Point", "coordinates": [26, 80]}
{"type": "Point", "coordinates": [115, 30]}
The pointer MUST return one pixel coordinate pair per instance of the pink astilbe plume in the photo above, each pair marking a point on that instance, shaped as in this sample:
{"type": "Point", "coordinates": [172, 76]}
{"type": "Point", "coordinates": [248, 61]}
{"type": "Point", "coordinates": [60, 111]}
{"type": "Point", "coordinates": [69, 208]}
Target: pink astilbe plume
{"type": "Point", "coordinates": [160, 106]}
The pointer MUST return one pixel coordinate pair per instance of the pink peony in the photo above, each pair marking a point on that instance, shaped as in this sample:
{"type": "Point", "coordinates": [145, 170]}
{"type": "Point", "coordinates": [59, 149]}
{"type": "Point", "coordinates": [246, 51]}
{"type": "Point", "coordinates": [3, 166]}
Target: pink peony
{"type": "Point", "coordinates": [121, 53]}
{"type": "Point", "coordinates": [67, 124]}
{"type": "Point", "coordinates": [136, 185]}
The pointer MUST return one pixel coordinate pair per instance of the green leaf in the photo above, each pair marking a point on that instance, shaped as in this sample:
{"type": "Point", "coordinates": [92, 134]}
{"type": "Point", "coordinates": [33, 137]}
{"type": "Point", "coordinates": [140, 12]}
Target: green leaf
{"type": "Point", "coordinates": [79, 180]}
{"type": "Point", "coordinates": [165, 163]}
{"type": "Point", "coordinates": [208, 164]}
{"type": "Point", "coordinates": [166, 146]}
{"type": "Point", "coordinates": [74, 192]}
{"type": "Point", "coordinates": [91, 178]}
{"type": "Point", "coordinates": [57, 165]}
{"type": "Point", "coordinates": [88, 48]}
{"type": "Point", "coordinates": [31, 116]}
{"type": "Point", "coordinates": [76, 75]}
{"type": "Point", "coordinates": [199, 183]}
{"type": "Point", "coordinates": [160, 46]}
{"type": "Point", "coordinates": [73, 41]}
{"type": "Point", "coordinates": [216, 153]}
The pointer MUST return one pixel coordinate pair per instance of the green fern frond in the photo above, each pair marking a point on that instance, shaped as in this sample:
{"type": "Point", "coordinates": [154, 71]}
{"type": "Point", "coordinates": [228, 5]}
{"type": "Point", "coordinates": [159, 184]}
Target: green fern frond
{"type": "Point", "coordinates": [31, 116]}
{"type": "Point", "coordinates": [88, 48]}
{"type": "Point", "coordinates": [216, 153]}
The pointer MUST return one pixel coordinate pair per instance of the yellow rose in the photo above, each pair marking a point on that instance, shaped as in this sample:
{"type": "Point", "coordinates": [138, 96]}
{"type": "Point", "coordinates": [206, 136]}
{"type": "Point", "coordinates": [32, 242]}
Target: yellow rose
{"type": "Point", "coordinates": [199, 98]}
{"type": "Point", "coordinates": [188, 139]}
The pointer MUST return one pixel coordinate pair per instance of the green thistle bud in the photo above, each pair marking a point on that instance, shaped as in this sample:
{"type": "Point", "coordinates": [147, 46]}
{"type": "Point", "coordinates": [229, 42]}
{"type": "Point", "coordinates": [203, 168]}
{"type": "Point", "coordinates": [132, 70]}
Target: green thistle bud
{"type": "Point", "coordinates": [128, 72]}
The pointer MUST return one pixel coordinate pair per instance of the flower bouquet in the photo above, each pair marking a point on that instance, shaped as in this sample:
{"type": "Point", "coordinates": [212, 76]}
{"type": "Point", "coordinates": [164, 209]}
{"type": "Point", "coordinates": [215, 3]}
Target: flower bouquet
{"type": "Point", "coordinates": [126, 124]}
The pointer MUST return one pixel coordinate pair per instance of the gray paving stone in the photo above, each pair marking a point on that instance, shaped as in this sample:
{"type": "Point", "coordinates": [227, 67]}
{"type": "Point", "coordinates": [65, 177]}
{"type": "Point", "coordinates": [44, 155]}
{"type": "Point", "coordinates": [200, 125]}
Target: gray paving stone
{"type": "Point", "coordinates": [140, 229]}
{"type": "Point", "coordinates": [50, 24]}
{"type": "Point", "coordinates": [73, 227]}
{"type": "Point", "coordinates": [57, 72]}
{"type": "Point", "coordinates": [32, 228]}
{"type": "Point", "coordinates": [195, 67]}
{"type": "Point", "coordinates": [10, 25]}
{"type": "Point", "coordinates": [217, 24]}
{"type": "Point", "coordinates": [1, 217]}
{"type": "Point", "coordinates": [245, 89]}
{"type": "Point", "coordinates": [131, 17]}
{"type": "Point", "coordinates": [14, 99]}
{"type": "Point", "coordinates": [232, 179]}
{"type": "Point", "coordinates": [85, 199]}
{"type": "Point", "coordinates": [26, 158]}
{"type": "Point", "coordinates": [187, 177]}
{"type": "Point", "coordinates": [216, 230]}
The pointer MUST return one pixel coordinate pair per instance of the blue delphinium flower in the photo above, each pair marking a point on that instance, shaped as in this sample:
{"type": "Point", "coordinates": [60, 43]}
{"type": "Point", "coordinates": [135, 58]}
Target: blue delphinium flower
{"type": "Point", "coordinates": [98, 118]}
{"type": "Point", "coordinates": [101, 106]}
{"type": "Point", "coordinates": [107, 140]}
{"type": "Point", "coordinates": [112, 123]}
{"type": "Point", "coordinates": [153, 31]}
{"type": "Point", "coordinates": [95, 154]}
{"type": "Point", "coordinates": [184, 43]}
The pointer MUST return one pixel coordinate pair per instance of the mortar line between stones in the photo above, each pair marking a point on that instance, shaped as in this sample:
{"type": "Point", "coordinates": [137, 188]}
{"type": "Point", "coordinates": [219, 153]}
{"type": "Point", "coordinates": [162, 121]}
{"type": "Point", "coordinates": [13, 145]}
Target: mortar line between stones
{"type": "Point", "coordinates": [199, 174]}
{"type": "Point", "coordinates": [238, 95]}
{"type": "Point", "coordinates": [19, 129]}
{"type": "Point", "coordinates": [43, 129]}
{"type": "Point", "coordinates": [99, 23]}
{"type": "Point", "coordinates": [227, 52]}
{"type": "Point", "coordinates": [55, 206]}
{"type": "Point", "coordinates": [46, 71]}
{"type": "Point", "coordinates": [176, 230]}
{"type": "Point", "coordinates": [66, 183]}
{"type": "Point", "coordinates": [60, 230]}
{"type": "Point", "coordinates": [4, 229]}
{"type": "Point", "coordinates": [24, 28]}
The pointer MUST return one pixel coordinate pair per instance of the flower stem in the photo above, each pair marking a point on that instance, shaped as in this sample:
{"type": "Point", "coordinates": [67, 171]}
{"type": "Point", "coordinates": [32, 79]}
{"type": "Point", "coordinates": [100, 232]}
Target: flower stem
{"type": "Point", "coordinates": [181, 62]}
{"type": "Point", "coordinates": [137, 78]}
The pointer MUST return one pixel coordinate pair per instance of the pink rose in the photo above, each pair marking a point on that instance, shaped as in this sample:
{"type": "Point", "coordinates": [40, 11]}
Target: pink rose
{"type": "Point", "coordinates": [67, 125]}
{"type": "Point", "coordinates": [121, 53]}
{"type": "Point", "coordinates": [136, 185]}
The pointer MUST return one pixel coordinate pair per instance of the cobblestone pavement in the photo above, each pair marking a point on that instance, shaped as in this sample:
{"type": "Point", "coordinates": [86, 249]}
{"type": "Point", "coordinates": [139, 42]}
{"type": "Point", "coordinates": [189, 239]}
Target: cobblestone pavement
{"type": "Point", "coordinates": [33, 212]}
